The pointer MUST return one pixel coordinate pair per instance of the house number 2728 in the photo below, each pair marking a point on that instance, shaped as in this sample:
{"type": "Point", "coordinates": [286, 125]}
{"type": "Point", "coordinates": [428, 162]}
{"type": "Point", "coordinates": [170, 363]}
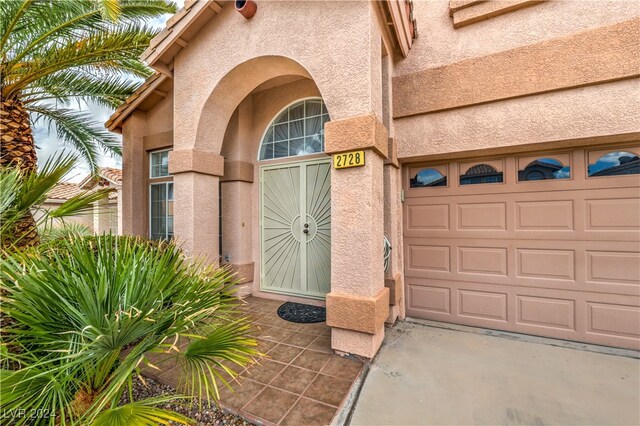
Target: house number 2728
{"type": "Point", "coordinates": [348, 159]}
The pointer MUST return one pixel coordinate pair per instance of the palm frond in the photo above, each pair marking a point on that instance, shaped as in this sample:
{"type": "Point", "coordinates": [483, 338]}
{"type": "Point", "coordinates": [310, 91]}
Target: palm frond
{"type": "Point", "coordinates": [140, 413]}
{"type": "Point", "coordinates": [107, 90]}
{"type": "Point", "coordinates": [43, 42]}
{"type": "Point", "coordinates": [63, 230]}
{"type": "Point", "coordinates": [79, 302]}
{"type": "Point", "coordinates": [80, 130]}
{"type": "Point", "coordinates": [95, 48]}
{"type": "Point", "coordinates": [20, 194]}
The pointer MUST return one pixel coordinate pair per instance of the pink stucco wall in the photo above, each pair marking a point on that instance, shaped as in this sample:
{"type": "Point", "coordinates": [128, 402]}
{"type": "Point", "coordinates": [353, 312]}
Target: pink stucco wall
{"type": "Point", "coordinates": [235, 75]}
{"type": "Point", "coordinates": [561, 115]}
{"type": "Point", "coordinates": [439, 43]}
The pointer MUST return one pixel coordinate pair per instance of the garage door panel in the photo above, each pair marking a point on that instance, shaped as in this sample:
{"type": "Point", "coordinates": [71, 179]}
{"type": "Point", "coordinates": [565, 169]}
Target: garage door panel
{"type": "Point", "coordinates": [545, 263]}
{"type": "Point", "coordinates": [433, 299]}
{"type": "Point", "coordinates": [482, 305]}
{"type": "Point", "coordinates": [613, 214]}
{"type": "Point", "coordinates": [546, 312]}
{"type": "Point", "coordinates": [428, 217]}
{"type": "Point", "coordinates": [428, 258]}
{"type": "Point", "coordinates": [604, 215]}
{"type": "Point", "coordinates": [563, 265]}
{"type": "Point", "coordinates": [595, 317]}
{"type": "Point", "coordinates": [613, 267]}
{"type": "Point", "coordinates": [613, 320]}
{"type": "Point", "coordinates": [556, 257]}
{"type": "Point", "coordinates": [483, 260]}
{"type": "Point", "coordinates": [544, 215]}
{"type": "Point", "coordinates": [481, 216]}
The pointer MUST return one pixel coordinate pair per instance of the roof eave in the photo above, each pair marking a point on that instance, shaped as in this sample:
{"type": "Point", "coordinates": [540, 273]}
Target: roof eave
{"type": "Point", "coordinates": [114, 124]}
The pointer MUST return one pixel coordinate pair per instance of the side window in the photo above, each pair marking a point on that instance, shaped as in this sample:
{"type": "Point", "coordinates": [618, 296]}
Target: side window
{"type": "Point", "coordinates": [615, 164]}
{"type": "Point", "coordinates": [481, 173]}
{"type": "Point", "coordinates": [543, 169]}
{"type": "Point", "coordinates": [428, 177]}
{"type": "Point", "coordinates": [160, 196]}
{"type": "Point", "coordinates": [159, 164]}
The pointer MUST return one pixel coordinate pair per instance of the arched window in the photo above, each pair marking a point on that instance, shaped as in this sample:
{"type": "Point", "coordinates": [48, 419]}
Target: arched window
{"type": "Point", "coordinates": [615, 164]}
{"type": "Point", "coordinates": [481, 173]}
{"type": "Point", "coordinates": [428, 177]}
{"type": "Point", "coordinates": [297, 130]}
{"type": "Point", "coordinates": [543, 169]}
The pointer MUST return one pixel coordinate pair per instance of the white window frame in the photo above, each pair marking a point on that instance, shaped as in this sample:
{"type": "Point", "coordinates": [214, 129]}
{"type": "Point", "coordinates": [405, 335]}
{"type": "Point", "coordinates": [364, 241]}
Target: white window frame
{"type": "Point", "coordinates": [151, 164]}
{"type": "Point", "coordinates": [153, 181]}
{"type": "Point", "coordinates": [276, 115]}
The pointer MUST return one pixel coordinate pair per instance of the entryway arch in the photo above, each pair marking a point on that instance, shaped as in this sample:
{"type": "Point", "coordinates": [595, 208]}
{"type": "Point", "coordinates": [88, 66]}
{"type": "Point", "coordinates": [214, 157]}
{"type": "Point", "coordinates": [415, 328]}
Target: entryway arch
{"type": "Point", "coordinates": [295, 202]}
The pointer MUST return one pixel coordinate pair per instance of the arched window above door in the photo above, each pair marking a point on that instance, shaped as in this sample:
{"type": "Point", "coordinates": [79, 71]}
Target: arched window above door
{"type": "Point", "coordinates": [297, 130]}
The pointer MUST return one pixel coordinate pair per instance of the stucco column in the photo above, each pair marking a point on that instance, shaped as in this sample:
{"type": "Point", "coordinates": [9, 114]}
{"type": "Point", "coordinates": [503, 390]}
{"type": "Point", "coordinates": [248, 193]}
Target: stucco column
{"type": "Point", "coordinates": [196, 194]}
{"type": "Point", "coordinates": [358, 303]}
{"type": "Point", "coordinates": [134, 176]}
{"type": "Point", "coordinates": [393, 231]}
{"type": "Point", "coordinates": [237, 202]}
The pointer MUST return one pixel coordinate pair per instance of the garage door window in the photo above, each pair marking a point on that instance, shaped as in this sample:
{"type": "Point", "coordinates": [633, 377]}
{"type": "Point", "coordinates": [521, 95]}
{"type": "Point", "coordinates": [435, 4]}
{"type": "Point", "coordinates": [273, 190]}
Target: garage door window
{"type": "Point", "coordinates": [544, 169]}
{"type": "Point", "coordinates": [481, 173]}
{"type": "Point", "coordinates": [615, 164]}
{"type": "Point", "coordinates": [428, 177]}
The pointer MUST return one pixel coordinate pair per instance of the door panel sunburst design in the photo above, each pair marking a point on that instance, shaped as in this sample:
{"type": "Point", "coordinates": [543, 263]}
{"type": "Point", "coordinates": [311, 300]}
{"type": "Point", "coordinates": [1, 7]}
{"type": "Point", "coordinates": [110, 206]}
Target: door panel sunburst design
{"type": "Point", "coordinates": [296, 228]}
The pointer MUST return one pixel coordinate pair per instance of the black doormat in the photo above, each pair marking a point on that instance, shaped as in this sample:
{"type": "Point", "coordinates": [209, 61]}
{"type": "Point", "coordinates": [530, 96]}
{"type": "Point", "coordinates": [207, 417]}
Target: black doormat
{"type": "Point", "coordinates": [297, 312]}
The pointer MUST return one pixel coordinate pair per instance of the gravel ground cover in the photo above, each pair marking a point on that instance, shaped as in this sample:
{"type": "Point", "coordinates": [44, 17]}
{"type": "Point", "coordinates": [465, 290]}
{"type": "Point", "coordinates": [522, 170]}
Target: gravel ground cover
{"type": "Point", "coordinates": [209, 415]}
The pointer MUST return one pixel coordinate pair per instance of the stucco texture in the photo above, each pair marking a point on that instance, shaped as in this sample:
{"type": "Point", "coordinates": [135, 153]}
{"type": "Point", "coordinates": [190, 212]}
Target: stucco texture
{"type": "Point", "coordinates": [439, 43]}
{"type": "Point", "coordinates": [592, 111]}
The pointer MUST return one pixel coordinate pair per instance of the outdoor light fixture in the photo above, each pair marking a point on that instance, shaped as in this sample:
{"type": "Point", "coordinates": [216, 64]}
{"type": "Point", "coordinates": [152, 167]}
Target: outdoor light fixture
{"type": "Point", "coordinates": [247, 8]}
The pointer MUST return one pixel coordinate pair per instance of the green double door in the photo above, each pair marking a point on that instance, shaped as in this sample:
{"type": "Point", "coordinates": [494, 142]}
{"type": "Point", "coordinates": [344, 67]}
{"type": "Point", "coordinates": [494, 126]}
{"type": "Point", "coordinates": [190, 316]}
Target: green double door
{"type": "Point", "coordinates": [295, 226]}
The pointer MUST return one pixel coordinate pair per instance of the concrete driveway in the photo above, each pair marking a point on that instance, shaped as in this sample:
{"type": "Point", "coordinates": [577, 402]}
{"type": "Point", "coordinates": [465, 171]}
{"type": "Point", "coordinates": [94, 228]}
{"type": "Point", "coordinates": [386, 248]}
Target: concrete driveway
{"type": "Point", "coordinates": [427, 375]}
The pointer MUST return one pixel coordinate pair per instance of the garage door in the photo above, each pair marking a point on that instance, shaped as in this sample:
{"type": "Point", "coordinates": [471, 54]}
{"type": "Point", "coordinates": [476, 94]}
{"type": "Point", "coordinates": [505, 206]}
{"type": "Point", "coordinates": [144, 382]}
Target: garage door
{"type": "Point", "coordinates": [544, 243]}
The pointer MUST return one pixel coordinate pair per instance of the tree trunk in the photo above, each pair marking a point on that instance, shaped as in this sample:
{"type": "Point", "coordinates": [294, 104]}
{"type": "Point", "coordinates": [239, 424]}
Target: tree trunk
{"type": "Point", "coordinates": [18, 149]}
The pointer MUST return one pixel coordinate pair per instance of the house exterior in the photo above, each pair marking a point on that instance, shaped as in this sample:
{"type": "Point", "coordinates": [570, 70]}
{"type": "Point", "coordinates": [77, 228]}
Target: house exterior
{"type": "Point", "coordinates": [479, 135]}
{"type": "Point", "coordinates": [105, 215]}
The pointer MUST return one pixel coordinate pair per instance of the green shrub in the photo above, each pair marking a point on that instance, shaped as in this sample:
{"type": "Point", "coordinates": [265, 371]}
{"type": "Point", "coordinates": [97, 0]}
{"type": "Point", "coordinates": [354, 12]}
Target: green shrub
{"type": "Point", "coordinates": [86, 313]}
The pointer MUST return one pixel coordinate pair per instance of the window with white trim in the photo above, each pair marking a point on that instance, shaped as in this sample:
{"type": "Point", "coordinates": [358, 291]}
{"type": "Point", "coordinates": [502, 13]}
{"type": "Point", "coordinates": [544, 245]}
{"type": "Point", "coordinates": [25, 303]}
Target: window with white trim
{"type": "Point", "coordinates": [298, 130]}
{"type": "Point", "coordinates": [160, 197]}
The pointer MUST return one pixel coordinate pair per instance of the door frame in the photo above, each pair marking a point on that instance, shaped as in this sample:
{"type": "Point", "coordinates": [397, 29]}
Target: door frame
{"type": "Point", "coordinates": [272, 166]}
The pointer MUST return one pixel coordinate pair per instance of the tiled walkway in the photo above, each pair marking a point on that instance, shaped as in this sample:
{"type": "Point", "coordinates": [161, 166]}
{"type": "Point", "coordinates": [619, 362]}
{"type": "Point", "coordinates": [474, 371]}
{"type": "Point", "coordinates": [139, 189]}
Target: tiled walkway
{"type": "Point", "coordinates": [301, 382]}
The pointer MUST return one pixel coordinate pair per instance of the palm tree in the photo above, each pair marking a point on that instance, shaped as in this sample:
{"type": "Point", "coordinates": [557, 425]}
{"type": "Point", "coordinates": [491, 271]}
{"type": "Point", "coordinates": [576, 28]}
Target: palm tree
{"type": "Point", "coordinates": [53, 52]}
{"type": "Point", "coordinates": [22, 195]}
{"type": "Point", "coordinates": [90, 312]}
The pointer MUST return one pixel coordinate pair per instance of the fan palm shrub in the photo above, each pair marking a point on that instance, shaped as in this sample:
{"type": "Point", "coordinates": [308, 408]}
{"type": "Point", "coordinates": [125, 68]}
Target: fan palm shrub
{"type": "Point", "coordinates": [89, 312]}
{"type": "Point", "coordinates": [53, 52]}
{"type": "Point", "coordinates": [22, 195]}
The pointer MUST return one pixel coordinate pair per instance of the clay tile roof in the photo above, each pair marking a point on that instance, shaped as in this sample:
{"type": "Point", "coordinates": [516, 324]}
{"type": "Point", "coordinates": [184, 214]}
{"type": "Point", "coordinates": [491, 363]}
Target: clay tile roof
{"type": "Point", "coordinates": [480, 169]}
{"type": "Point", "coordinates": [114, 175]}
{"type": "Point", "coordinates": [64, 191]}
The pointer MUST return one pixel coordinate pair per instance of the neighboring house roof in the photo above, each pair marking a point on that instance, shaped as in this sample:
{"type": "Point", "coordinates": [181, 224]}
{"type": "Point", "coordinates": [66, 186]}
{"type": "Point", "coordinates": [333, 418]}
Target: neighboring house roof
{"type": "Point", "coordinates": [114, 175]}
{"type": "Point", "coordinates": [627, 164]}
{"type": "Point", "coordinates": [544, 164]}
{"type": "Point", "coordinates": [108, 174]}
{"type": "Point", "coordinates": [64, 191]}
{"type": "Point", "coordinates": [481, 169]}
{"type": "Point", "coordinates": [107, 177]}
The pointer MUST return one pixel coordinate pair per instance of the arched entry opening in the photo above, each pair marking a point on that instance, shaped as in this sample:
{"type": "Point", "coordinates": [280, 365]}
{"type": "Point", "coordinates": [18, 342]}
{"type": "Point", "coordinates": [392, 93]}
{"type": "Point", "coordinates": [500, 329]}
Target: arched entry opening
{"type": "Point", "coordinates": [274, 135]}
{"type": "Point", "coordinates": [295, 202]}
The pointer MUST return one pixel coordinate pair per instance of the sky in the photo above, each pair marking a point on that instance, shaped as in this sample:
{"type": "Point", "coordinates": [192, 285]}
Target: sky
{"type": "Point", "coordinates": [47, 140]}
